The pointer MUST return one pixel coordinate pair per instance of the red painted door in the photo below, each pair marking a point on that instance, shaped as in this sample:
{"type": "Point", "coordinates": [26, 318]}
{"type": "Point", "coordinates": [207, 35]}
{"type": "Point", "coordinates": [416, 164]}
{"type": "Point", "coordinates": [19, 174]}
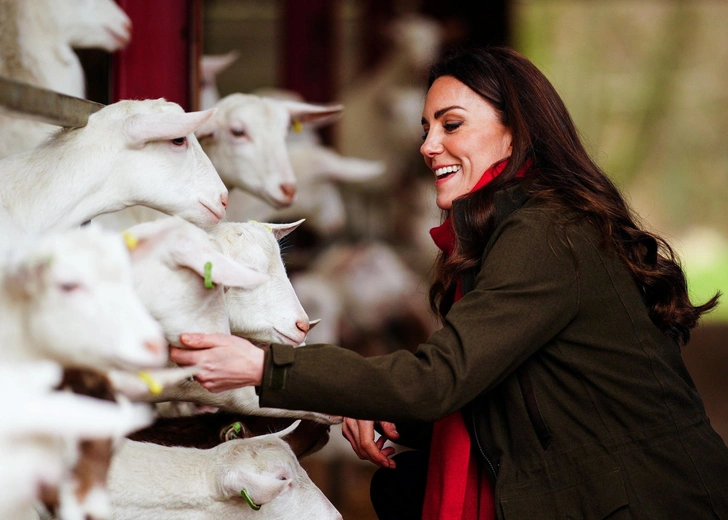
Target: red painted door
{"type": "Point", "coordinates": [162, 58]}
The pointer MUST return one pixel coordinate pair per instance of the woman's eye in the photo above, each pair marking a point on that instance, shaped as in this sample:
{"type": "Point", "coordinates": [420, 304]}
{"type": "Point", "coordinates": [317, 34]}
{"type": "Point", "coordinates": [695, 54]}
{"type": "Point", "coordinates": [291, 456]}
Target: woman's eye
{"type": "Point", "coordinates": [237, 132]}
{"type": "Point", "coordinates": [451, 127]}
{"type": "Point", "coordinates": [68, 287]}
{"type": "Point", "coordinates": [424, 135]}
{"type": "Point", "coordinates": [179, 141]}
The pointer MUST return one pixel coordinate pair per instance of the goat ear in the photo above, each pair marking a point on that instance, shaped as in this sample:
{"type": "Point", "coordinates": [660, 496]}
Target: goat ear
{"type": "Point", "coordinates": [26, 279]}
{"type": "Point", "coordinates": [309, 113]}
{"type": "Point", "coordinates": [222, 271]}
{"type": "Point", "coordinates": [260, 488]}
{"type": "Point", "coordinates": [281, 230]}
{"type": "Point", "coordinates": [138, 386]}
{"type": "Point", "coordinates": [212, 64]}
{"type": "Point", "coordinates": [141, 238]}
{"type": "Point", "coordinates": [331, 165]}
{"type": "Point", "coordinates": [313, 323]}
{"type": "Point", "coordinates": [143, 128]}
{"type": "Point", "coordinates": [207, 129]}
{"type": "Point", "coordinates": [288, 430]}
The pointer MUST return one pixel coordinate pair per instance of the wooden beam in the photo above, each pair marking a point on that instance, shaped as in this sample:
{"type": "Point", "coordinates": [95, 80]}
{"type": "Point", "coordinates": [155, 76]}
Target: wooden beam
{"type": "Point", "coordinates": [40, 104]}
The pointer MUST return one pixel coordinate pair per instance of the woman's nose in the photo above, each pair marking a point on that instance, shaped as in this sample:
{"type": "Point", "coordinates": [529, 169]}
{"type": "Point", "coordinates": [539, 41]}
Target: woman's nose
{"type": "Point", "coordinates": [431, 146]}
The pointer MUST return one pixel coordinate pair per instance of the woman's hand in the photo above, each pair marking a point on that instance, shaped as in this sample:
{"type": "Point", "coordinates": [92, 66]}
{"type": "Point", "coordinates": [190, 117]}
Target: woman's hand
{"type": "Point", "coordinates": [226, 361]}
{"type": "Point", "coordinates": [360, 435]}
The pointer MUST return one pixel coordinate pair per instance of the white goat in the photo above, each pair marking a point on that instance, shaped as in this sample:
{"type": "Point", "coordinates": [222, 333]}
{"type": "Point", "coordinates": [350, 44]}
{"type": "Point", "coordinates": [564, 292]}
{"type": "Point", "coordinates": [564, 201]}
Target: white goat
{"type": "Point", "coordinates": [131, 152]}
{"type": "Point", "coordinates": [246, 139]}
{"type": "Point", "coordinates": [271, 312]}
{"type": "Point", "coordinates": [231, 481]}
{"type": "Point", "coordinates": [69, 297]}
{"type": "Point", "coordinates": [259, 301]}
{"type": "Point", "coordinates": [36, 40]}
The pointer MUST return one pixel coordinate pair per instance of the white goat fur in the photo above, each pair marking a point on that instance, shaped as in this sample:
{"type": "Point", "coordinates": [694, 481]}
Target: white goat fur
{"type": "Point", "coordinates": [246, 139]}
{"type": "Point", "coordinates": [41, 428]}
{"type": "Point", "coordinates": [260, 307]}
{"type": "Point", "coordinates": [210, 66]}
{"type": "Point", "coordinates": [246, 142]}
{"type": "Point", "coordinates": [167, 483]}
{"type": "Point", "coordinates": [36, 40]}
{"type": "Point", "coordinates": [384, 108]}
{"type": "Point", "coordinates": [369, 282]}
{"type": "Point", "coordinates": [382, 121]}
{"type": "Point", "coordinates": [126, 155]}
{"type": "Point", "coordinates": [319, 170]}
{"type": "Point", "coordinates": [168, 264]}
{"type": "Point", "coordinates": [69, 297]}
{"type": "Point", "coordinates": [270, 312]}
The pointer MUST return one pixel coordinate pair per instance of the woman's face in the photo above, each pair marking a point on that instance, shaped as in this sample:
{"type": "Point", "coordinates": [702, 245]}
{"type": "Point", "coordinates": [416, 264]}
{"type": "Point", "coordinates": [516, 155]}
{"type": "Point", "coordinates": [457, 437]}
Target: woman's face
{"type": "Point", "coordinates": [463, 138]}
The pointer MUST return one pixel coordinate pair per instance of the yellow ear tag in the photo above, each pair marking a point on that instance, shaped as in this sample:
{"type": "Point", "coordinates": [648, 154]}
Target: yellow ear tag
{"type": "Point", "coordinates": [297, 126]}
{"type": "Point", "coordinates": [266, 226]}
{"type": "Point", "coordinates": [154, 387]}
{"type": "Point", "coordinates": [130, 240]}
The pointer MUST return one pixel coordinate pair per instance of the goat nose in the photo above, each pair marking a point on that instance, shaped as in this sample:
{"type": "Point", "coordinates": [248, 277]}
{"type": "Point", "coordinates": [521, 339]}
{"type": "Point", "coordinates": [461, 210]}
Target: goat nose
{"type": "Point", "coordinates": [224, 200]}
{"type": "Point", "coordinates": [289, 190]}
{"type": "Point", "coordinates": [303, 326]}
{"type": "Point", "coordinates": [154, 346]}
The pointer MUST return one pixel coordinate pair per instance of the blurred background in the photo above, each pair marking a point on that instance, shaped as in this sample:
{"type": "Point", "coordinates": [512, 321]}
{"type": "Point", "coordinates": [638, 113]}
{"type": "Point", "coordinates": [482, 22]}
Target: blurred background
{"type": "Point", "coordinates": [644, 80]}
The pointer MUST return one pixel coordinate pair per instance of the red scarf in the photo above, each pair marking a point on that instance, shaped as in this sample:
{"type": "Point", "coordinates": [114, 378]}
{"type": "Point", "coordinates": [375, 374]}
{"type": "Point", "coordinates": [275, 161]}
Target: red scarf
{"type": "Point", "coordinates": [455, 488]}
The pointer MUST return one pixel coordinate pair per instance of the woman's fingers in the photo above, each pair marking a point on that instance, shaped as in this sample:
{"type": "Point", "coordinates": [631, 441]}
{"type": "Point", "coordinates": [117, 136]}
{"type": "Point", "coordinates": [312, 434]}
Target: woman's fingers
{"type": "Point", "coordinates": [389, 430]}
{"type": "Point", "coordinates": [226, 361]}
{"type": "Point", "coordinates": [360, 435]}
{"type": "Point", "coordinates": [194, 340]}
{"type": "Point", "coordinates": [184, 357]}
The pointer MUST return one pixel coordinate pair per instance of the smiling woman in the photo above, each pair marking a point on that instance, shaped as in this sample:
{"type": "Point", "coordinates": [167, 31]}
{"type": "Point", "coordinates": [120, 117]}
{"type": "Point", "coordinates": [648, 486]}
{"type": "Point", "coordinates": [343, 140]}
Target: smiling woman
{"type": "Point", "coordinates": [562, 324]}
{"type": "Point", "coordinates": [463, 138]}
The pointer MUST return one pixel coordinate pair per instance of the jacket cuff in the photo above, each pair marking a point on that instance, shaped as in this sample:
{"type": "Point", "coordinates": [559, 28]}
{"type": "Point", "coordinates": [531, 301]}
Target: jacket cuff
{"type": "Point", "coordinates": [278, 359]}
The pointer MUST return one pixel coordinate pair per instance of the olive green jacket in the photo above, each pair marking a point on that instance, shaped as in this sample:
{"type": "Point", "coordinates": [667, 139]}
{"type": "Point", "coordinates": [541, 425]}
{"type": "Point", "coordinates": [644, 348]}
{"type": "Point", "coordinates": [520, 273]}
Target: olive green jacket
{"type": "Point", "coordinates": [579, 406]}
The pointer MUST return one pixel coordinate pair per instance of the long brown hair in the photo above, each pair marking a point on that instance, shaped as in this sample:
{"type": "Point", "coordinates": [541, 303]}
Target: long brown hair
{"type": "Point", "coordinates": [562, 175]}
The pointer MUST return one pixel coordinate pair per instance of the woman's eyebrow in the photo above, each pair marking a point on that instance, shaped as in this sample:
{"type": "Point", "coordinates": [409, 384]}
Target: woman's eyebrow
{"type": "Point", "coordinates": [440, 112]}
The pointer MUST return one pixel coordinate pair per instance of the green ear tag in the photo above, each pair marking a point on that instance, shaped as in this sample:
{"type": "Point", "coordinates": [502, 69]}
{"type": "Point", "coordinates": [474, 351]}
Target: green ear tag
{"type": "Point", "coordinates": [232, 431]}
{"type": "Point", "coordinates": [208, 276]}
{"type": "Point", "coordinates": [253, 505]}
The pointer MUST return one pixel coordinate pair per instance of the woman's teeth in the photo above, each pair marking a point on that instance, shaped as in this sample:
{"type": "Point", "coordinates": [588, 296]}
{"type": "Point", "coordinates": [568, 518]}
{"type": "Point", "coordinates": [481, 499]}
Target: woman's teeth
{"type": "Point", "coordinates": [440, 172]}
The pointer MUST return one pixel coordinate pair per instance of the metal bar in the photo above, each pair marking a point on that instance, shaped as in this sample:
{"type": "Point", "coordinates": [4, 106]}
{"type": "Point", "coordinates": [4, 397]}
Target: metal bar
{"type": "Point", "coordinates": [31, 102]}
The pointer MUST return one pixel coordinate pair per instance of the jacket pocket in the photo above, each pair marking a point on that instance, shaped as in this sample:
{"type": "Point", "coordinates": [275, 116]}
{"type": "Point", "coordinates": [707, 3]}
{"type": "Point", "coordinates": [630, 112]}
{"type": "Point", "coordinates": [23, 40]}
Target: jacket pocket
{"type": "Point", "coordinates": [598, 497]}
{"type": "Point", "coordinates": [531, 404]}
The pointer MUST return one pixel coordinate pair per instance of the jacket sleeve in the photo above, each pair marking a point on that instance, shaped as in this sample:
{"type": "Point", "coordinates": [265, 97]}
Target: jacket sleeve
{"type": "Point", "coordinates": [525, 293]}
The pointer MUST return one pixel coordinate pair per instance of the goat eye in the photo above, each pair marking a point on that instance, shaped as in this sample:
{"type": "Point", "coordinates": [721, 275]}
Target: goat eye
{"type": "Point", "coordinates": [237, 132]}
{"type": "Point", "coordinates": [179, 141]}
{"type": "Point", "coordinates": [68, 287]}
